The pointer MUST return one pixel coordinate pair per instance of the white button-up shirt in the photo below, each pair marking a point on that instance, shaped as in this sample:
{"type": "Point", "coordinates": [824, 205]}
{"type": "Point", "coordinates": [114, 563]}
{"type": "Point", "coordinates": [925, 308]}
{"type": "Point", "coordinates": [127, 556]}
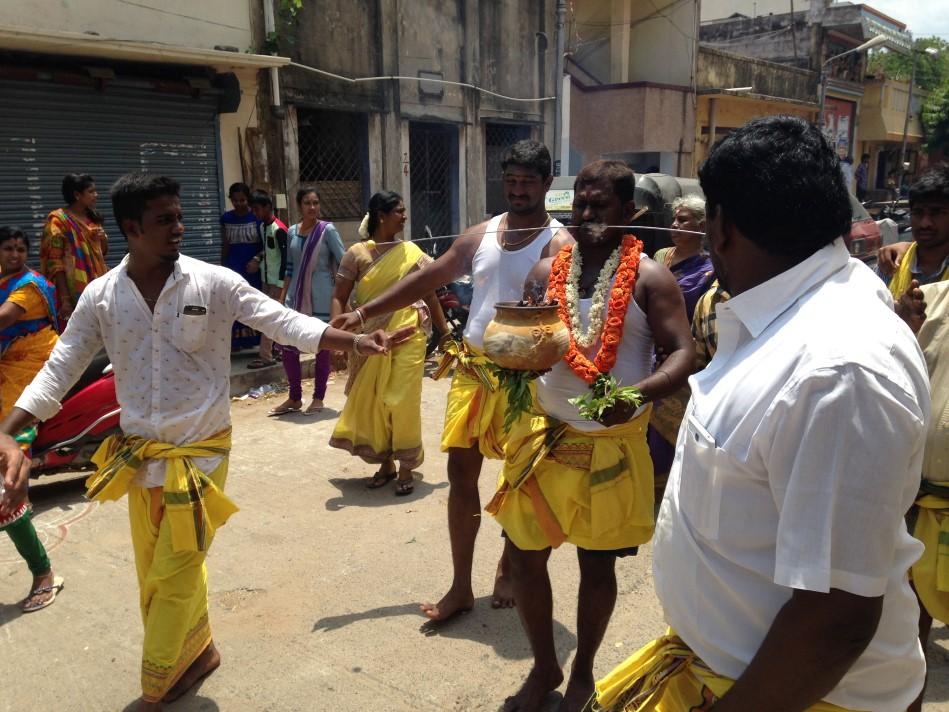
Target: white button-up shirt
{"type": "Point", "coordinates": [800, 452]}
{"type": "Point", "coordinates": [172, 367]}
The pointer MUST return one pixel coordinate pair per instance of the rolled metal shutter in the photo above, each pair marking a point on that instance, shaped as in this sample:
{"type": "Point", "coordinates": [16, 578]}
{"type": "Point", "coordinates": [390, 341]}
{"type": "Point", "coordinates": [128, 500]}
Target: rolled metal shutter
{"type": "Point", "coordinates": [48, 130]}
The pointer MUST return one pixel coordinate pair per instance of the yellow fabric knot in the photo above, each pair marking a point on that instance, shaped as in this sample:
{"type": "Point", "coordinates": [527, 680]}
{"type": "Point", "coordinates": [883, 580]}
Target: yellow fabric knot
{"type": "Point", "coordinates": [194, 505]}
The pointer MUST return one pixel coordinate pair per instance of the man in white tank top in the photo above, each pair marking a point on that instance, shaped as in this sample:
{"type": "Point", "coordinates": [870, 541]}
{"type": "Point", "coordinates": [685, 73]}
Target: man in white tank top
{"type": "Point", "coordinates": [568, 479]}
{"type": "Point", "coordinates": [498, 254]}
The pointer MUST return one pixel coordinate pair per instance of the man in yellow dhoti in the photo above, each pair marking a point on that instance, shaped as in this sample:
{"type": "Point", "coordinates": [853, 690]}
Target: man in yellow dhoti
{"type": "Point", "coordinates": [497, 254]}
{"type": "Point", "coordinates": [781, 553]}
{"type": "Point", "coordinates": [921, 281]}
{"type": "Point", "coordinates": [165, 322]}
{"type": "Point", "coordinates": [585, 482]}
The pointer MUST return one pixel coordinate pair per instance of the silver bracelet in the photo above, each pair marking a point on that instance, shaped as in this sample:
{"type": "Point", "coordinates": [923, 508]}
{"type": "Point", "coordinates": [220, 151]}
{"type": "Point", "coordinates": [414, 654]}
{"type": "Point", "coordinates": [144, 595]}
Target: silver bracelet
{"type": "Point", "coordinates": [362, 318]}
{"type": "Point", "coordinates": [356, 339]}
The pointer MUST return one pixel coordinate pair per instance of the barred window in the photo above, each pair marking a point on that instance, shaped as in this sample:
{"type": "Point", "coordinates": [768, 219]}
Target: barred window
{"type": "Point", "coordinates": [497, 138]}
{"type": "Point", "coordinates": [333, 158]}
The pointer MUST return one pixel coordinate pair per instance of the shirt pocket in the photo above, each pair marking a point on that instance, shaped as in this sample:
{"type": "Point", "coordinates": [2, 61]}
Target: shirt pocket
{"type": "Point", "coordinates": [700, 489]}
{"type": "Point", "coordinates": [190, 331]}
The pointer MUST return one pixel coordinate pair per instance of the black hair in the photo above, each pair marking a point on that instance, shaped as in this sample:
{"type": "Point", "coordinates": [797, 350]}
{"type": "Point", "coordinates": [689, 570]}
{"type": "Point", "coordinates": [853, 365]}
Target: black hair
{"type": "Point", "coordinates": [75, 183]}
{"type": "Point", "coordinates": [528, 154]}
{"type": "Point", "coordinates": [259, 197]}
{"type": "Point", "coordinates": [864, 156]}
{"type": "Point", "coordinates": [132, 191]}
{"type": "Point", "coordinates": [618, 174]}
{"type": "Point", "coordinates": [933, 185]}
{"type": "Point", "coordinates": [238, 188]}
{"type": "Point", "coordinates": [384, 201]}
{"type": "Point", "coordinates": [305, 191]}
{"type": "Point", "coordinates": [14, 233]}
{"type": "Point", "coordinates": [778, 180]}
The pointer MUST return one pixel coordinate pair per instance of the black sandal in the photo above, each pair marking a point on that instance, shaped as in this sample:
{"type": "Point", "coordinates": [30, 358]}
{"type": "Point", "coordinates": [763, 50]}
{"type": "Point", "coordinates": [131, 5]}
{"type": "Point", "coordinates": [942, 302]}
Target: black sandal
{"type": "Point", "coordinates": [380, 479]}
{"type": "Point", "coordinates": [404, 487]}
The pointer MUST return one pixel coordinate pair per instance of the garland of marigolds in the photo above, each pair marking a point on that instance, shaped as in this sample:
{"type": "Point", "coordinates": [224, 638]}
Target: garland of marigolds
{"type": "Point", "coordinates": [622, 291]}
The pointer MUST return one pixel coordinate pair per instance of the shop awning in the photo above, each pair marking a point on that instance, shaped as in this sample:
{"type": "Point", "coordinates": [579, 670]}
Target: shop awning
{"type": "Point", "coordinates": [79, 44]}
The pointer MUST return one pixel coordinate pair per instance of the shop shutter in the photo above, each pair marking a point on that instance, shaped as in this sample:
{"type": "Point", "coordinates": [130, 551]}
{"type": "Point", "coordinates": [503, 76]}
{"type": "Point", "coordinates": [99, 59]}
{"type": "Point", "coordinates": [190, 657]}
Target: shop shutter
{"type": "Point", "coordinates": [48, 130]}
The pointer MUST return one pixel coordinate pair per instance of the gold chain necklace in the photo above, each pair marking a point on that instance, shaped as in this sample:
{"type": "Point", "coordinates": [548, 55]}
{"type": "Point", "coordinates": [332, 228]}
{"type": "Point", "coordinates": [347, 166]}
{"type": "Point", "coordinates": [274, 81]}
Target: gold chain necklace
{"type": "Point", "coordinates": [505, 245]}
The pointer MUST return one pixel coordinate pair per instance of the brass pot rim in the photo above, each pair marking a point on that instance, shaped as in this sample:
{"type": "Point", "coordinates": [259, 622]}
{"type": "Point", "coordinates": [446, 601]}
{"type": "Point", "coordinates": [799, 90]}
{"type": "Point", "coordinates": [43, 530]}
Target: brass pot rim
{"type": "Point", "coordinates": [527, 308]}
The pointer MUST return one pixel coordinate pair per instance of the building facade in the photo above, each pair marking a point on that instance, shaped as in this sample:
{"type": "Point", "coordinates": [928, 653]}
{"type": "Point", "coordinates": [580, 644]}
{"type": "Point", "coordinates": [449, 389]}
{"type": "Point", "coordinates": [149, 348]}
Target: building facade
{"type": "Point", "coordinates": [441, 90]}
{"type": "Point", "coordinates": [106, 87]}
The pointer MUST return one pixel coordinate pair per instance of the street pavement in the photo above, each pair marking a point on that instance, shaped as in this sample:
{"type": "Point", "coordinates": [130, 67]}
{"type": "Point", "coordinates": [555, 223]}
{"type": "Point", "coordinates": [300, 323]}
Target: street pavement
{"type": "Point", "coordinates": [314, 591]}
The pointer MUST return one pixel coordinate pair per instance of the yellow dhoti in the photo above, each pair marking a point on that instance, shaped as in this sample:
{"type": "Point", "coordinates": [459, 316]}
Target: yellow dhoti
{"type": "Point", "coordinates": [931, 572]}
{"type": "Point", "coordinates": [476, 404]}
{"type": "Point", "coordinates": [666, 676]}
{"type": "Point", "coordinates": [172, 529]}
{"type": "Point", "coordinates": [593, 489]}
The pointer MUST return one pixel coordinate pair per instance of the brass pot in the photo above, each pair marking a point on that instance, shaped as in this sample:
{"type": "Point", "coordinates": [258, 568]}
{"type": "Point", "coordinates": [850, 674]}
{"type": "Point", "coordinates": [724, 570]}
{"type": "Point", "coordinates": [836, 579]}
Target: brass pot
{"type": "Point", "coordinates": [526, 338]}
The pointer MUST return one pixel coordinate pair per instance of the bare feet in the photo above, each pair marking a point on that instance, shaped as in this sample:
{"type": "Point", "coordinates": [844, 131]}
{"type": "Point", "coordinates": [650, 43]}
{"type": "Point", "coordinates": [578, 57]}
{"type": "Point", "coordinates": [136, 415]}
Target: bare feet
{"type": "Point", "coordinates": [503, 596]}
{"type": "Point", "coordinates": [452, 604]}
{"type": "Point", "coordinates": [537, 686]}
{"type": "Point", "coordinates": [578, 693]}
{"type": "Point", "coordinates": [206, 663]}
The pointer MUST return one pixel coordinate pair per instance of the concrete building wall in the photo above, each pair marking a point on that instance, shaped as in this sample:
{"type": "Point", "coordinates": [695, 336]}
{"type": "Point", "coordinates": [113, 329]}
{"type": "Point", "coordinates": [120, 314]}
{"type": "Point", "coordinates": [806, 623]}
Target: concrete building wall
{"type": "Point", "coordinates": [725, 70]}
{"type": "Point", "coordinates": [720, 9]}
{"type": "Point", "coordinates": [182, 23]}
{"type": "Point", "coordinates": [176, 23]}
{"type": "Point", "coordinates": [490, 45]}
{"type": "Point", "coordinates": [634, 118]}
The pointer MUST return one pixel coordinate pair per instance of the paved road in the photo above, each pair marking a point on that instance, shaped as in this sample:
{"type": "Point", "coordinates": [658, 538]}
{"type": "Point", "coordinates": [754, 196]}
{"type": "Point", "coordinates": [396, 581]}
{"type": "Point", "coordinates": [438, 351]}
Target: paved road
{"type": "Point", "coordinates": [315, 587]}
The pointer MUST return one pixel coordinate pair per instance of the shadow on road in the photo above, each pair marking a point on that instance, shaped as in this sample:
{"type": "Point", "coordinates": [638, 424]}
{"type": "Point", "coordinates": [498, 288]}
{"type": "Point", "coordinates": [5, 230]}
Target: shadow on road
{"type": "Point", "coordinates": [300, 418]}
{"type": "Point", "coordinates": [46, 494]}
{"type": "Point", "coordinates": [353, 493]}
{"type": "Point", "coordinates": [189, 701]}
{"type": "Point", "coordinates": [11, 611]}
{"type": "Point", "coordinates": [496, 628]}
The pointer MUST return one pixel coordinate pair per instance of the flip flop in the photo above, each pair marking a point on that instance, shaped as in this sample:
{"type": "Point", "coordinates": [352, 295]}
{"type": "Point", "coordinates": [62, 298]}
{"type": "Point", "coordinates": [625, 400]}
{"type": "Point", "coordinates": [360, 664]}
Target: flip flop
{"type": "Point", "coordinates": [54, 589]}
{"type": "Point", "coordinates": [261, 363]}
{"type": "Point", "coordinates": [404, 488]}
{"type": "Point", "coordinates": [282, 411]}
{"type": "Point", "coordinates": [380, 479]}
{"type": "Point", "coordinates": [311, 409]}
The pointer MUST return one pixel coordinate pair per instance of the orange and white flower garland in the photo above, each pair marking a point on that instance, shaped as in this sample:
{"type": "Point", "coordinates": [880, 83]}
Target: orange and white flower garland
{"type": "Point", "coordinates": [563, 286]}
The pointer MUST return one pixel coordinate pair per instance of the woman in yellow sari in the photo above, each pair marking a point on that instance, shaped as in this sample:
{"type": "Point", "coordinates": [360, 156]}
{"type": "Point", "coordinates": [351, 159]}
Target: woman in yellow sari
{"type": "Point", "coordinates": [382, 421]}
{"type": "Point", "coordinates": [27, 336]}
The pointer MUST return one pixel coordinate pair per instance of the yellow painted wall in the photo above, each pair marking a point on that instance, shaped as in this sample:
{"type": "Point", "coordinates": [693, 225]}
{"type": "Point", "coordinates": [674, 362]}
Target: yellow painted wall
{"type": "Point", "coordinates": [735, 111]}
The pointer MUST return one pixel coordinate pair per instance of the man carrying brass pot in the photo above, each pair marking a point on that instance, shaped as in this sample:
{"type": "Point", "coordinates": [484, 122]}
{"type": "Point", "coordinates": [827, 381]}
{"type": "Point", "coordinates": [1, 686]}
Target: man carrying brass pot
{"type": "Point", "coordinates": [581, 473]}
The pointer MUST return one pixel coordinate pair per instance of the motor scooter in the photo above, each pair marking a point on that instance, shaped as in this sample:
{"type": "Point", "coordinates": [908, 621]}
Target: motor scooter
{"type": "Point", "coordinates": [90, 413]}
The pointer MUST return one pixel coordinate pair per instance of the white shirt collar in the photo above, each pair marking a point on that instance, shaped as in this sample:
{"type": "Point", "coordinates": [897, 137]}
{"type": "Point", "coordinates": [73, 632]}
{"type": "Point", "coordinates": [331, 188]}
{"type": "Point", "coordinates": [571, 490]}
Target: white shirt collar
{"type": "Point", "coordinates": [181, 267]}
{"type": "Point", "coordinates": [760, 306]}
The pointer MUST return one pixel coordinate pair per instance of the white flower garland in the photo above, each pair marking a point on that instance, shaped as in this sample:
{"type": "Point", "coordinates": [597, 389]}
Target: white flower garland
{"type": "Point", "coordinates": [597, 307]}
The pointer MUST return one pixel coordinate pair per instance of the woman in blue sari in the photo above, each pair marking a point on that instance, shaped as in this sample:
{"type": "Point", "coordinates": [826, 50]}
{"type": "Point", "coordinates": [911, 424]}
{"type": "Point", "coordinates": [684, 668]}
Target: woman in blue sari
{"type": "Point", "coordinates": [28, 325]}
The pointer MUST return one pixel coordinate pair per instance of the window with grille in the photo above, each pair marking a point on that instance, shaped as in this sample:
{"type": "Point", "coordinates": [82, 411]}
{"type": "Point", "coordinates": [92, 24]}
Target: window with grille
{"type": "Point", "coordinates": [332, 158]}
{"type": "Point", "coordinates": [497, 137]}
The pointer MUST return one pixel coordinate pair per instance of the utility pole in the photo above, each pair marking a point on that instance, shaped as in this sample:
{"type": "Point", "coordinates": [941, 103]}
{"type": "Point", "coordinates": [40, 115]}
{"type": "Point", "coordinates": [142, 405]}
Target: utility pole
{"type": "Point", "coordinates": [558, 82]}
{"type": "Point", "coordinates": [815, 19]}
{"type": "Point", "coordinates": [909, 108]}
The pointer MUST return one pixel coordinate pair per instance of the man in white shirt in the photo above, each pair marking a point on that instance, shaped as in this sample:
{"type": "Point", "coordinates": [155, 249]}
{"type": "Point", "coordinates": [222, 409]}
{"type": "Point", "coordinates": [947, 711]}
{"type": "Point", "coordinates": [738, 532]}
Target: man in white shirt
{"type": "Point", "coordinates": [781, 553]}
{"type": "Point", "coordinates": [165, 322]}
